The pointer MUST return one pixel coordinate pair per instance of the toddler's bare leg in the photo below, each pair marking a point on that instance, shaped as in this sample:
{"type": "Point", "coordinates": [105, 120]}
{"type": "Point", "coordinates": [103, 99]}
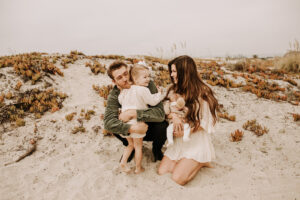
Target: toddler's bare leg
{"type": "Point", "coordinates": [138, 146]}
{"type": "Point", "coordinates": [126, 154]}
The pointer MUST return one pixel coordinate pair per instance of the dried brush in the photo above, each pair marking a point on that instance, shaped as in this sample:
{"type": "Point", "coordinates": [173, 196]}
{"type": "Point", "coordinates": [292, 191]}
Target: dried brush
{"type": "Point", "coordinates": [237, 135]}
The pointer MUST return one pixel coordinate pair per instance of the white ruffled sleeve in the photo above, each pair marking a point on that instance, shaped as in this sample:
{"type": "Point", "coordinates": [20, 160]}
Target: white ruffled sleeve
{"type": "Point", "coordinates": [207, 120]}
{"type": "Point", "coordinates": [150, 99]}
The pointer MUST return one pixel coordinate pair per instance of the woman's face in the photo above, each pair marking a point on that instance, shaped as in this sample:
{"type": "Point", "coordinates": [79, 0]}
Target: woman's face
{"type": "Point", "coordinates": [174, 73]}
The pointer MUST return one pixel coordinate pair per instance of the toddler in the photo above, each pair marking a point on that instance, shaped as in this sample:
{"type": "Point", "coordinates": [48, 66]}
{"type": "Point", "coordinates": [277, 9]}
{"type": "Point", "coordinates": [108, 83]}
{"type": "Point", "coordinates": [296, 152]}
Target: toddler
{"type": "Point", "coordinates": [138, 96]}
{"type": "Point", "coordinates": [176, 104]}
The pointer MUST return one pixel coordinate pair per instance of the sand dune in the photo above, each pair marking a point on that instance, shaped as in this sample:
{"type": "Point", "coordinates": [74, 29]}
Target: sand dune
{"type": "Point", "coordinates": [85, 165]}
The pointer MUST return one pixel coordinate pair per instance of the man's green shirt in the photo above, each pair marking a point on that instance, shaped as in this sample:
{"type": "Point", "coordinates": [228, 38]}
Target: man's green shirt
{"type": "Point", "coordinates": [111, 115]}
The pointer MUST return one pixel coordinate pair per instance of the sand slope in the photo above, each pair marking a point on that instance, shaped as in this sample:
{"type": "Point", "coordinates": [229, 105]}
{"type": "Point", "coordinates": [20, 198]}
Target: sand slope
{"type": "Point", "coordinates": [84, 165]}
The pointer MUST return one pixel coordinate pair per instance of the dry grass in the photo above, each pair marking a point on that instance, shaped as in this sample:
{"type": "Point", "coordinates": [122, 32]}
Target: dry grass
{"type": "Point", "coordinates": [290, 62]}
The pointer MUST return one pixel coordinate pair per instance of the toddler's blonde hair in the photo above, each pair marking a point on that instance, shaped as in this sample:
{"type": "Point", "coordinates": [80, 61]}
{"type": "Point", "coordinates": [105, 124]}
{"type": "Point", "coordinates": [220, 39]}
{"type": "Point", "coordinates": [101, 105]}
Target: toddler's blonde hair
{"type": "Point", "coordinates": [135, 71]}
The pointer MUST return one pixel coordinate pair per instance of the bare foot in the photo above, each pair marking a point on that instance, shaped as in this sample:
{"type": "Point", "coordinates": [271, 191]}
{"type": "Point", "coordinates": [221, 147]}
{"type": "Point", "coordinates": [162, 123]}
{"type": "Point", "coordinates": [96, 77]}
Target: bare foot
{"type": "Point", "coordinates": [125, 168]}
{"type": "Point", "coordinates": [139, 170]}
{"type": "Point", "coordinates": [208, 164]}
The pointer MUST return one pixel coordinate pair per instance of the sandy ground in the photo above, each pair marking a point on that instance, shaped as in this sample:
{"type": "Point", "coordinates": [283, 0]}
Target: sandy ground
{"type": "Point", "coordinates": [85, 165]}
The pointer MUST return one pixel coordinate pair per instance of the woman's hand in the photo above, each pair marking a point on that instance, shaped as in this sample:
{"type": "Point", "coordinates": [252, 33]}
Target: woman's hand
{"type": "Point", "coordinates": [178, 126]}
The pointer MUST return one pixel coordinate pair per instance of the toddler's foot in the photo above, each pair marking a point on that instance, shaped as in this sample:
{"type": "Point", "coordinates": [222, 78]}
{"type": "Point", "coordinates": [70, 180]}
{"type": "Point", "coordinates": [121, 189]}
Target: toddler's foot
{"type": "Point", "coordinates": [125, 168]}
{"type": "Point", "coordinates": [139, 170]}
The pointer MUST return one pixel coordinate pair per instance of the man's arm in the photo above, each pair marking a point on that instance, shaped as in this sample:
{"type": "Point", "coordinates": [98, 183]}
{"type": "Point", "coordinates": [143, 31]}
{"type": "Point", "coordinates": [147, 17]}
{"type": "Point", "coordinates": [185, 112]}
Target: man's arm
{"type": "Point", "coordinates": [112, 122]}
{"type": "Point", "coordinates": [111, 115]}
{"type": "Point", "coordinates": [153, 113]}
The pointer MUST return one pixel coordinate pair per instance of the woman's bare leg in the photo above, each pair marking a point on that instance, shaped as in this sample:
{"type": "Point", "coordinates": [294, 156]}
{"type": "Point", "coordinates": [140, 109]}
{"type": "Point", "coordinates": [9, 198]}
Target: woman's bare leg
{"type": "Point", "coordinates": [185, 170]}
{"type": "Point", "coordinates": [127, 151]}
{"type": "Point", "coordinates": [166, 166]}
{"type": "Point", "coordinates": [138, 146]}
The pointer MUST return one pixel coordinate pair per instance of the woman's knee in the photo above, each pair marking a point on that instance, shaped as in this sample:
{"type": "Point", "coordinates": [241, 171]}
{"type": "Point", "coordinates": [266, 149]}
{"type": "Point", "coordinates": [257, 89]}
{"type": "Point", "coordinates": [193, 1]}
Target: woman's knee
{"type": "Point", "coordinates": [179, 178]}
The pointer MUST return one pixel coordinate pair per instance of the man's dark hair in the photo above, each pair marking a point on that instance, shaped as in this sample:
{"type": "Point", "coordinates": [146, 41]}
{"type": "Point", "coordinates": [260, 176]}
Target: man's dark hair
{"type": "Point", "coordinates": [114, 66]}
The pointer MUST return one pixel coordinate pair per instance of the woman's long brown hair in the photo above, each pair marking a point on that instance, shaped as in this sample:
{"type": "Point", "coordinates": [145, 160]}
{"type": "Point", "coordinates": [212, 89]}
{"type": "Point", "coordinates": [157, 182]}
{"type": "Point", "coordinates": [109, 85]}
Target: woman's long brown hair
{"type": "Point", "coordinates": [191, 87]}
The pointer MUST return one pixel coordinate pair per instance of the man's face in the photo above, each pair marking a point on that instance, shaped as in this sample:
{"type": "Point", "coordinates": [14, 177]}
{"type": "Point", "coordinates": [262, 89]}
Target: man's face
{"type": "Point", "coordinates": [121, 78]}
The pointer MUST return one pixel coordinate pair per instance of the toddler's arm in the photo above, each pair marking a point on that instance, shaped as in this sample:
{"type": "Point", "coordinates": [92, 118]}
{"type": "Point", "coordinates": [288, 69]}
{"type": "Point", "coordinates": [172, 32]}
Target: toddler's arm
{"type": "Point", "coordinates": [150, 99]}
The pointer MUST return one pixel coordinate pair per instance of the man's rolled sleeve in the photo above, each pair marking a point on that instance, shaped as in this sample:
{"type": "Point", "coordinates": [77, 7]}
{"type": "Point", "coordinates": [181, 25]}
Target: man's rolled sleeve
{"type": "Point", "coordinates": [111, 115]}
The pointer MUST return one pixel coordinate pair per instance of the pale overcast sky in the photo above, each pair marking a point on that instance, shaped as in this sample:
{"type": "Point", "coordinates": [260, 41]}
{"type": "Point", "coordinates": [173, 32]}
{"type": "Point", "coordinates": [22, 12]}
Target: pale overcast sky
{"type": "Point", "coordinates": [128, 27]}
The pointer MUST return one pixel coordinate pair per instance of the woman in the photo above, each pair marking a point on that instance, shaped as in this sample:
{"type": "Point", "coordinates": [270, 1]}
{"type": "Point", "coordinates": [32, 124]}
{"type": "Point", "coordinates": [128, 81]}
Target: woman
{"type": "Point", "coordinates": [184, 159]}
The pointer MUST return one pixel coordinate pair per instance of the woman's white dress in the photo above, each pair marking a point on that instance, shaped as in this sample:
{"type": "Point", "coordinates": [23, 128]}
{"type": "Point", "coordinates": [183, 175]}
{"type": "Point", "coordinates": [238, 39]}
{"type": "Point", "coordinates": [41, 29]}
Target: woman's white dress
{"type": "Point", "coordinates": [199, 147]}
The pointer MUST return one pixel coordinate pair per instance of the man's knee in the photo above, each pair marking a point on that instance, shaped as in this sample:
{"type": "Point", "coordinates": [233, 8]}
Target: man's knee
{"type": "Point", "coordinates": [156, 131]}
{"type": "Point", "coordinates": [158, 125]}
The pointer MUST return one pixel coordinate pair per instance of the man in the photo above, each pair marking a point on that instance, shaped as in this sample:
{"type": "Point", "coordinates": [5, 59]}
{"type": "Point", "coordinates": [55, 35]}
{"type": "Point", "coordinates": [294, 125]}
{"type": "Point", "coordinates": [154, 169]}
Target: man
{"type": "Point", "coordinates": [150, 121]}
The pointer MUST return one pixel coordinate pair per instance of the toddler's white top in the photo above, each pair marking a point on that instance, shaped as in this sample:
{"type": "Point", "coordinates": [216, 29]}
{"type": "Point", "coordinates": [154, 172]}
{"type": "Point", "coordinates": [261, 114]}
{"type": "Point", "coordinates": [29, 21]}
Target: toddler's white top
{"type": "Point", "coordinates": [138, 97]}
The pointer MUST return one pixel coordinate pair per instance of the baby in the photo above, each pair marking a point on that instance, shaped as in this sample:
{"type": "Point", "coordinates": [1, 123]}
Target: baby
{"type": "Point", "coordinates": [176, 104]}
{"type": "Point", "coordinates": [138, 96]}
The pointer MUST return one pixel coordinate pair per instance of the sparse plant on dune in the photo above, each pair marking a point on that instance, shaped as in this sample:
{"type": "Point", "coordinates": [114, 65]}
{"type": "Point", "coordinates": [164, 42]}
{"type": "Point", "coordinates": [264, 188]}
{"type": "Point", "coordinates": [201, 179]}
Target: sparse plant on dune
{"type": "Point", "coordinates": [296, 117]}
{"type": "Point", "coordinates": [70, 58]}
{"type": "Point", "coordinates": [255, 127]}
{"type": "Point", "coordinates": [78, 129]}
{"type": "Point", "coordinates": [225, 115]}
{"type": "Point", "coordinates": [291, 81]}
{"type": "Point", "coordinates": [32, 101]}
{"type": "Point", "coordinates": [239, 66]}
{"type": "Point", "coordinates": [96, 67]}
{"type": "Point", "coordinates": [156, 60]}
{"type": "Point", "coordinates": [237, 135]}
{"type": "Point", "coordinates": [32, 66]}
{"type": "Point", "coordinates": [113, 57]}
{"type": "Point", "coordinates": [88, 114]}
{"type": "Point", "coordinates": [103, 91]}
{"type": "Point", "coordinates": [18, 85]}
{"type": "Point", "coordinates": [8, 95]}
{"type": "Point", "coordinates": [70, 116]}
{"type": "Point", "coordinates": [20, 122]}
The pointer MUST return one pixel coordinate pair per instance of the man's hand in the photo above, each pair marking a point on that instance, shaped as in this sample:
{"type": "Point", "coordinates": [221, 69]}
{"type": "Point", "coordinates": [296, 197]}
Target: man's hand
{"type": "Point", "coordinates": [140, 128]}
{"type": "Point", "coordinates": [127, 115]}
{"type": "Point", "coordinates": [178, 126]}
